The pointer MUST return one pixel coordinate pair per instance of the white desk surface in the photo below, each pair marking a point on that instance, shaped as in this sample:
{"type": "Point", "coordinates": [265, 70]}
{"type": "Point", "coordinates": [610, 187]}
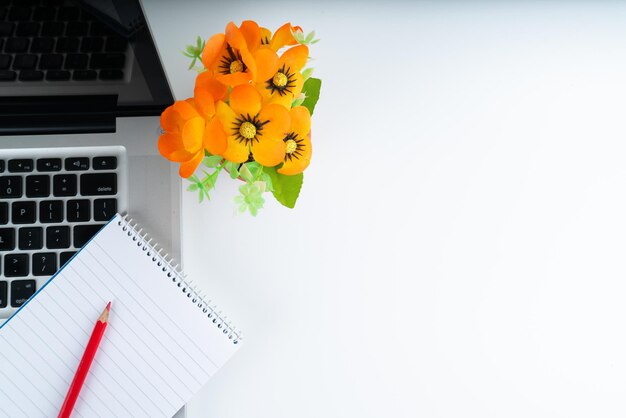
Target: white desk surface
{"type": "Point", "coordinates": [458, 248]}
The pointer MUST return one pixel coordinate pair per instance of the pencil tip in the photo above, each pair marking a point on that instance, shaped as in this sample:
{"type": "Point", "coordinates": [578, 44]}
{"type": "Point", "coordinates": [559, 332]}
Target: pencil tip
{"type": "Point", "coordinates": [108, 308]}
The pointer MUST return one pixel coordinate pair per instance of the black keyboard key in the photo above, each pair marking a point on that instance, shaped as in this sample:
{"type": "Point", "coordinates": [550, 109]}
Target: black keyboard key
{"type": "Point", "coordinates": [24, 212]}
{"type": "Point", "coordinates": [17, 45]}
{"type": "Point", "coordinates": [104, 209]}
{"type": "Point", "coordinates": [4, 294]}
{"type": "Point", "coordinates": [99, 184]}
{"type": "Point", "coordinates": [111, 74]}
{"type": "Point", "coordinates": [31, 75]}
{"type": "Point", "coordinates": [116, 44]}
{"type": "Point", "coordinates": [76, 29]}
{"type": "Point", "coordinates": [27, 29]}
{"type": "Point", "coordinates": [25, 62]}
{"type": "Point", "coordinates": [22, 165]}
{"type": "Point", "coordinates": [66, 256]}
{"type": "Point", "coordinates": [57, 237]}
{"type": "Point", "coordinates": [79, 210]}
{"type": "Point", "coordinates": [51, 211]}
{"type": "Point", "coordinates": [4, 213]}
{"type": "Point", "coordinates": [42, 45]}
{"type": "Point", "coordinates": [76, 61]}
{"type": "Point", "coordinates": [5, 61]}
{"type": "Point", "coordinates": [16, 265]}
{"type": "Point", "coordinates": [67, 44]}
{"type": "Point", "coordinates": [2, 164]}
{"type": "Point", "coordinates": [65, 185]}
{"type": "Point", "coordinates": [99, 29]}
{"type": "Point", "coordinates": [51, 61]}
{"type": "Point", "coordinates": [53, 29]}
{"type": "Point", "coordinates": [77, 164]}
{"type": "Point", "coordinates": [104, 163]}
{"type": "Point", "coordinates": [19, 13]}
{"type": "Point", "coordinates": [44, 13]}
{"type": "Point", "coordinates": [84, 75]}
{"type": "Point", "coordinates": [107, 61]}
{"type": "Point", "coordinates": [68, 13]}
{"type": "Point", "coordinates": [49, 164]}
{"type": "Point", "coordinates": [84, 233]}
{"type": "Point", "coordinates": [7, 239]}
{"type": "Point", "coordinates": [21, 291]}
{"type": "Point", "coordinates": [91, 44]}
{"type": "Point", "coordinates": [10, 187]}
{"type": "Point", "coordinates": [6, 28]}
{"type": "Point", "coordinates": [37, 186]}
{"type": "Point", "coordinates": [30, 238]}
{"type": "Point", "coordinates": [44, 264]}
{"type": "Point", "coordinates": [56, 75]}
{"type": "Point", "coordinates": [7, 75]}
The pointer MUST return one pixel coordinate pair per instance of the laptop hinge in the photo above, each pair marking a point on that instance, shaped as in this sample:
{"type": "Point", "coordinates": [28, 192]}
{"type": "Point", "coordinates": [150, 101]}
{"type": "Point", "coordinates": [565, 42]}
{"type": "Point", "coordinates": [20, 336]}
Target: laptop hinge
{"type": "Point", "coordinates": [39, 115]}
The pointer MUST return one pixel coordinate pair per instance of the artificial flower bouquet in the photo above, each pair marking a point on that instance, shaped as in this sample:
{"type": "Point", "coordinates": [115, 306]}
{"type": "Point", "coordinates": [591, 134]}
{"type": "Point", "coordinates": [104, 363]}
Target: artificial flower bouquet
{"type": "Point", "coordinates": [250, 114]}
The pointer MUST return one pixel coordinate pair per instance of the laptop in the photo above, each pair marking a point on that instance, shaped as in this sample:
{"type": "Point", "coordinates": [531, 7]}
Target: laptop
{"type": "Point", "coordinates": [81, 90]}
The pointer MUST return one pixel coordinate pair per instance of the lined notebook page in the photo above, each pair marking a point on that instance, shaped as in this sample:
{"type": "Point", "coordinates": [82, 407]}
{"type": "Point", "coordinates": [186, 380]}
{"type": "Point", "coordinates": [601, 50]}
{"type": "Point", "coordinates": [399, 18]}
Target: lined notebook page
{"type": "Point", "coordinates": [159, 348]}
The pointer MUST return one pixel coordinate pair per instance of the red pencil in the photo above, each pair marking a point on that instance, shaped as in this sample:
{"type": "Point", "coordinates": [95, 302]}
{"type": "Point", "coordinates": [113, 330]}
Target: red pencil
{"type": "Point", "coordinates": [85, 363]}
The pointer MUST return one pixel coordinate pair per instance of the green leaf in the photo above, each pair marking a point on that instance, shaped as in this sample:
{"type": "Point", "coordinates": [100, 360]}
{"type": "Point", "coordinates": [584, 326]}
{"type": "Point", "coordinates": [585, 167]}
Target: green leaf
{"type": "Point", "coordinates": [310, 37]}
{"type": "Point", "coordinates": [233, 169]}
{"type": "Point", "coordinates": [245, 173]}
{"type": "Point", "coordinates": [212, 161]}
{"type": "Point", "coordinates": [306, 74]}
{"type": "Point", "coordinates": [250, 198]}
{"type": "Point", "coordinates": [311, 89]}
{"type": "Point", "coordinates": [286, 189]}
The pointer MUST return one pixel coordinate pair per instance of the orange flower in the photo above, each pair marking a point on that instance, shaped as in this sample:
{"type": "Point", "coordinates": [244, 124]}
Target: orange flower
{"type": "Point", "coordinates": [227, 56]}
{"type": "Point", "coordinates": [297, 142]}
{"type": "Point", "coordinates": [284, 37]}
{"type": "Point", "coordinates": [283, 81]}
{"type": "Point", "coordinates": [253, 129]}
{"type": "Point", "coordinates": [191, 127]}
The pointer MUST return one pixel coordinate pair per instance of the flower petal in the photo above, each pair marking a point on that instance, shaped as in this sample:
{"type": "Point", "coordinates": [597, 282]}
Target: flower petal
{"type": "Point", "coordinates": [266, 35]}
{"type": "Point", "coordinates": [206, 81]}
{"type": "Point", "coordinates": [269, 152]}
{"type": "Point", "coordinates": [278, 122]}
{"type": "Point", "coordinates": [213, 49]}
{"type": "Point", "coordinates": [295, 57]}
{"type": "Point", "coordinates": [235, 79]}
{"type": "Point", "coordinates": [267, 64]}
{"type": "Point", "coordinates": [185, 110]}
{"type": "Point", "coordinates": [236, 151]}
{"type": "Point", "coordinates": [298, 165]}
{"type": "Point", "coordinates": [252, 33]}
{"type": "Point", "coordinates": [204, 102]}
{"type": "Point", "coordinates": [227, 117]}
{"type": "Point", "coordinates": [188, 167]}
{"type": "Point", "coordinates": [193, 131]}
{"type": "Point", "coordinates": [170, 120]}
{"type": "Point", "coordinates": [171, 147]}
{"type": "Point", "coordinates": [234, 37]}
{"type": "Point", "coordinates": [245, 100]}
{"type": "Point", "coordinates": [215, 137]}
{"type": "Point", "coordinates": [300, 121]}
{"type": "Point", "coordinates": [282, 37]}
{"type": "Point", "coordinates": [248, 59]}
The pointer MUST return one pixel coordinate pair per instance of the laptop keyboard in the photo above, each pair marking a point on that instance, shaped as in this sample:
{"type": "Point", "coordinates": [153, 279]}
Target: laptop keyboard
{"type": "Point", "coordinates": [52, 201]}
{"type": "Point", "coordinates": [57, 41]}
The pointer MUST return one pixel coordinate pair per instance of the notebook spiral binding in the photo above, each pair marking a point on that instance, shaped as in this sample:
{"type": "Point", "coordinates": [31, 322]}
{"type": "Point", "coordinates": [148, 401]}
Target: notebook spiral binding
{"type": "Point", "coordinates": [171, 271]}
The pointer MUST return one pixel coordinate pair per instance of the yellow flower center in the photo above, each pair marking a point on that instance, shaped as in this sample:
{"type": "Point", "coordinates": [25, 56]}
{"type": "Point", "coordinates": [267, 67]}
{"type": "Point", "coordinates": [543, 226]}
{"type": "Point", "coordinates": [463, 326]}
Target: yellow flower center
{"type": "Point", "coordinates": [291, 146]}
{"type": "Point", "coordinates": [280, 80]}
{"type": "Point", "coordinates": [236, 66]}
{"type": "Point", "coordinates": [247, 130]}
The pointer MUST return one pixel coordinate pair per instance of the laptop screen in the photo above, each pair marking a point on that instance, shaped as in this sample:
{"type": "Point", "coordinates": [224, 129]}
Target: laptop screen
{"type": "Point", "coordinates": [78, 58]}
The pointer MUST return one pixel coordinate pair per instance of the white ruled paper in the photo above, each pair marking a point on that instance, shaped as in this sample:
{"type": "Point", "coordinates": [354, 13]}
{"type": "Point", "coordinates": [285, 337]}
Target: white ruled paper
{"type": "Point", "coordinates": [159, 348]}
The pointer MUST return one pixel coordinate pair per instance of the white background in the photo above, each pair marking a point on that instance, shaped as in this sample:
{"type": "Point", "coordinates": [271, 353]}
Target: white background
{"type": "Point", "coordinates": [458, 246]}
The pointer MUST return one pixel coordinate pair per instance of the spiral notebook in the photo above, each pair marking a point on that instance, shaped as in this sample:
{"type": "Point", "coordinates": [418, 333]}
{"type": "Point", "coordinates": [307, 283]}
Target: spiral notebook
{"type": "Point", "coordinates": [163, 343]}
